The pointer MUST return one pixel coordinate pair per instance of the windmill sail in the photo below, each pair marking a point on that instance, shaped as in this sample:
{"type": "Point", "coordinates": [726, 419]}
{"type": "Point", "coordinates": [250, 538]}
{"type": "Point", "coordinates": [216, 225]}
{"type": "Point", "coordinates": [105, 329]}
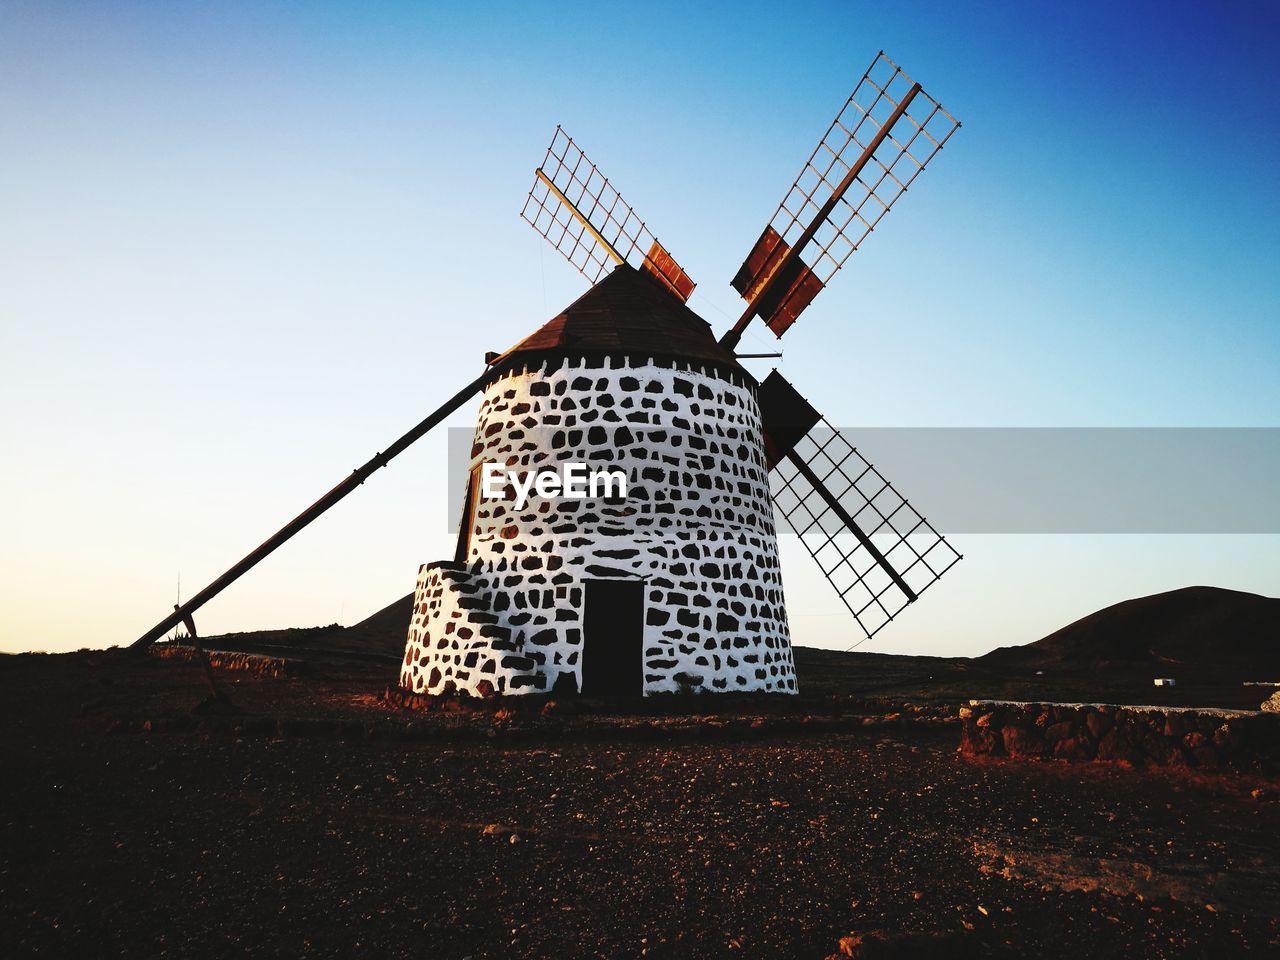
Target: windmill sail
{"type": "Point", "coordinates": [873, 547]}
{"type": "Point", "coordinates": [879, 142]}
{"type": "Point", "coordinates": [573, 205]}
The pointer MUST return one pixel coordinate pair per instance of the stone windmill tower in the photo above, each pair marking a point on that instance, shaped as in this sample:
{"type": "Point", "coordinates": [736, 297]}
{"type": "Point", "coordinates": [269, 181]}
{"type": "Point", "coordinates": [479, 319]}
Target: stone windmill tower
{"type": "Point", "coordinates": [675, 584]}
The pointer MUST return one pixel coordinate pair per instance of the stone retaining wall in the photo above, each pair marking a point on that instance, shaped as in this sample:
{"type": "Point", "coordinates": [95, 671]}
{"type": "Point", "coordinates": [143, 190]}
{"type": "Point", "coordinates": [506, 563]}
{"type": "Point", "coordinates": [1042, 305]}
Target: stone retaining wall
{"type": "Point", "coordinates": [1157, 736]}
{"type": "Point", "coordinates": [253, 663]}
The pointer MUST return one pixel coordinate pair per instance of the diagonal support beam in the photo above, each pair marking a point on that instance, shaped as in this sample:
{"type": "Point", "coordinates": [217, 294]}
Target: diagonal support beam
{"type": "Point", "coordinates": [182, 612]}
{"type": "Point", "coordinates": [814, 481]}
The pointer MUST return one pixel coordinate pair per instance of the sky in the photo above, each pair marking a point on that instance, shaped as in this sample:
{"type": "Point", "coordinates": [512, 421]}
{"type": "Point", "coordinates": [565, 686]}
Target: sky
{"type": "Point", "coordinates": [245, 246]}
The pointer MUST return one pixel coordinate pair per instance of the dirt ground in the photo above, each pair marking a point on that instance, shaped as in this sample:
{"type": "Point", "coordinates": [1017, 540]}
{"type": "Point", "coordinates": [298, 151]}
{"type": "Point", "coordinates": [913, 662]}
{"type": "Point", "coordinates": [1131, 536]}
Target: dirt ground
{"type": "Point", "coordinates": [320, 820]}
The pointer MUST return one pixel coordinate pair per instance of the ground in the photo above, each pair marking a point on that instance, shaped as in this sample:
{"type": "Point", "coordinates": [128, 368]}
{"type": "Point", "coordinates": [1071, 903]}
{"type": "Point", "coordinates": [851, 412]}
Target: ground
{"type": "Point", "coordinates": [321, 820]}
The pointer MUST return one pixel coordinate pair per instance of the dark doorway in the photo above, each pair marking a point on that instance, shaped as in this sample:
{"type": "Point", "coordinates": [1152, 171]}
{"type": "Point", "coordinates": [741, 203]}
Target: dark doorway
{"type": "Point", "coordinates": [613, 638]}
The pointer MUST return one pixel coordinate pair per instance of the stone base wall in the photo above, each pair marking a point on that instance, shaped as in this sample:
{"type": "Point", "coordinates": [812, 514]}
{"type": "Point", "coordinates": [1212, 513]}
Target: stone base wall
{"type": "Point", "coordinates": [504, 631]}
{"type": "Point", "coordinates": [1140, 736]}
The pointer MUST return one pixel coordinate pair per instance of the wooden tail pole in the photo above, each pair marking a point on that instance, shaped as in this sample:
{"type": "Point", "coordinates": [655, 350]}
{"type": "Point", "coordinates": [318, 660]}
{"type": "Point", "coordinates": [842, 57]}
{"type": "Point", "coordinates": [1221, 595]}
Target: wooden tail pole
{"type": "Point", "coordinates": [285, 533]}
{"type": "Point", "coordinates": [730, 339]}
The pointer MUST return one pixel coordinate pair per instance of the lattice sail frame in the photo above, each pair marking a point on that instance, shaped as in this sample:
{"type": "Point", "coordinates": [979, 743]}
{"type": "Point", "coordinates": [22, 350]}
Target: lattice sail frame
{"type": "Point", "coordinates": [911, 143]}
{"type": "Point", "coordinates": [608, 217]}
{"type": "Point", "coordinates": [907, 540]}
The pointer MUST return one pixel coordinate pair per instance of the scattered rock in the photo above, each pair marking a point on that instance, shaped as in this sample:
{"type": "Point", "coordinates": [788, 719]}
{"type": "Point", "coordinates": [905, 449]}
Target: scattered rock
{"type": "Point", "coordinates": [1058, 731]}
{"type": "Point", "coordinates": [1020, 742]}
{"type": "Point", "coordinates": [890, 945]}
{"type": "Point", "coordinates": [1114, 749]}
{"type": "Point", "coordinates": [1098, 724]}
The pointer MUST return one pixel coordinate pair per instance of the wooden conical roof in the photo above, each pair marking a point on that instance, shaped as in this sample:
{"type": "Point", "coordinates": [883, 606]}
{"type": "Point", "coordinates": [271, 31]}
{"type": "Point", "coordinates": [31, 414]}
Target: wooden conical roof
{"type": "Point", "coordinates": [627, 314]}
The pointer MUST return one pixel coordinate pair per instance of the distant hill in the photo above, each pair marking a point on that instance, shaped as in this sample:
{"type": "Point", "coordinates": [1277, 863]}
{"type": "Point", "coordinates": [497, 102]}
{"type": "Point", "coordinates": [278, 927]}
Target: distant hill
{"type": "Point", "coordinates": [1182, 633]}
{"type": "Point", "coordinates": [1197, 633]}
{"type": "Point", "coordinates": [384, 631]}
{"type": "Point", "coordinates": [381, 634]}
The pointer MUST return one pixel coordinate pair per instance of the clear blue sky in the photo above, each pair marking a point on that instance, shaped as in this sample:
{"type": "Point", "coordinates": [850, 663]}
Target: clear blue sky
{"type": "Point", "coordinates": [244, 246]}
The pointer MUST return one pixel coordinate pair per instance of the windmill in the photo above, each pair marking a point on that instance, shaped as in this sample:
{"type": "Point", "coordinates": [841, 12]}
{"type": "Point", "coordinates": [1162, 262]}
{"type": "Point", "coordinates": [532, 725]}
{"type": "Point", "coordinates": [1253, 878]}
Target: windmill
{"type": "Point", "coordinates": [878, 143]}
{"type": "Point", "coordinates": [675, 586]}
